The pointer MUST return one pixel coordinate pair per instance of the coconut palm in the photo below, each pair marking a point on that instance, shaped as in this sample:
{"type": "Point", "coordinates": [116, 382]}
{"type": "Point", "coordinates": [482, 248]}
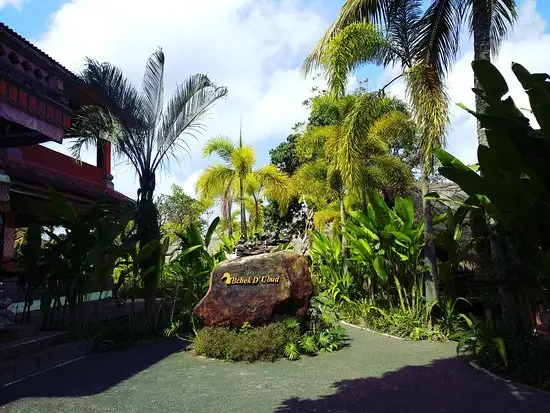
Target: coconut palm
{"type": "Point", "coordinates": [235, 178]}
{"type": "Point", "coordinates": [146, 130]}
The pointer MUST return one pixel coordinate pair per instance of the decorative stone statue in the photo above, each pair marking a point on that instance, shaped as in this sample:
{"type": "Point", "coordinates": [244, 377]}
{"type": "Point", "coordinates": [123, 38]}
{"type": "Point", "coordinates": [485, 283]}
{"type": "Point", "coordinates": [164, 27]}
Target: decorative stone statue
{"type": "Point", "coordinates": [6, 316]}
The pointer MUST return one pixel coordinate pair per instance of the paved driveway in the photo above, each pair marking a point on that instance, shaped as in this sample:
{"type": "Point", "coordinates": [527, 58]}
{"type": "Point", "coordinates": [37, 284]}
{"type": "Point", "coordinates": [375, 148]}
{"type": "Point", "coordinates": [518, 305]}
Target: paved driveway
{"type": "Point", "coordinates": [375, 374]}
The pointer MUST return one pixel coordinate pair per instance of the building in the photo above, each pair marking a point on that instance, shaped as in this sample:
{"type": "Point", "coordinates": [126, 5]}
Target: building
{"type": "Point", "coordinates": [38, 98]}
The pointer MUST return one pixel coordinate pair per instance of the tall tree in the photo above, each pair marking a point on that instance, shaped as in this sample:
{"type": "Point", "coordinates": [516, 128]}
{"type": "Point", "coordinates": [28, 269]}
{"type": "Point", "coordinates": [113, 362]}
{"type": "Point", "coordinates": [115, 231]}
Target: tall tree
{"type": "Point", "coordinates": [236, 176]}
{"type": "Point", "coordinates": [178, 210]}
{"type": "Point", "coordinates": [146, 130]}
{"type": "Point", "coordinates": [488, 22]}
{"type": "Point", "coordinates": [423, 44]}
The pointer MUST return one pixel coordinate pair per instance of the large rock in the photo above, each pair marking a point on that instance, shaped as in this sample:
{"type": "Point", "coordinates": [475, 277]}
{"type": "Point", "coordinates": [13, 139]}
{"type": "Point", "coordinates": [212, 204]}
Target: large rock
{"type": "Point", "coordinates": [257, 289]}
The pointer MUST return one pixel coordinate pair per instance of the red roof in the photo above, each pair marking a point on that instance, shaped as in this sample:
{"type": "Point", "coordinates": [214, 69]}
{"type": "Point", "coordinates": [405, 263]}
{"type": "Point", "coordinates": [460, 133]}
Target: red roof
{"type": "Point", "coordinates": [32, 173]}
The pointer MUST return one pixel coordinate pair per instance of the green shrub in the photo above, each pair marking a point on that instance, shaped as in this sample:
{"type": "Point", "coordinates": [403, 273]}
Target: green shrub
{"type": "Point", "coordinates": [273, 341]}
{"type": "Point", "coordinates": [265, 343]}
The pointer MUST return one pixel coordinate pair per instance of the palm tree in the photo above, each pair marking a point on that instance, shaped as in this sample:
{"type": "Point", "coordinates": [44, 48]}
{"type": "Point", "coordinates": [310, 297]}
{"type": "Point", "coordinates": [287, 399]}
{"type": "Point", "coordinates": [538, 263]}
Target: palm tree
{"type": "Point", "coordinates": [488, 22]}
{"type": "Point", "coordinates": [235, 177]}
{"type": "Point", "coordinates": [423, 45]}
{"type": "Point", "coordinates": [146, 130]}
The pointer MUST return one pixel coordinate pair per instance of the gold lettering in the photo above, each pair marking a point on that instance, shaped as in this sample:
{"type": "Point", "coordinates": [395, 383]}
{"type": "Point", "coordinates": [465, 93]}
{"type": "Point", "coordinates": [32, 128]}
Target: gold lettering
{"type": "Point", "coordinates": [255, 280]}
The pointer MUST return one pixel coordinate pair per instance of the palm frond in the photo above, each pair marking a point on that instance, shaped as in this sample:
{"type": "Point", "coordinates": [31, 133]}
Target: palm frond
{"type": "Point", "coordinates": [183, 115]}
{"type": "Point", "coordinates": [430, 104]}
{"type": "Point", "coordinates": [502, 15]}
{"type": "Point", "coordinates": [214, 181]}
{"type": "Point", "coordinates": [116, 92]}
{"type": "Point", "coordinates": [437, 35]}
{"type": "Point", "coordinates": [353, 46]}
{"type": "Point", "coordinates": [393, 174]}
{"type": "Point", "coordinates": [153, 88]}
{"type": "Point", "coordinates": [392, 126]}
{"type": "Point", "coordinates": [404, 16]}
{"type": "Point", "coordinates": [221, 146]}
{"type": "Point", "coordinates": [243, 159]}
{"type": "Point", "coordinates": [311, 143]}
{"type": "Point", "coordinates": [310, 181]}
{"type": "Point", "coordinates": [356, 143]}
{"type": "Point", "coordinates": [353, 11]}
{"type": "Point", "coordinates": [326, 216]}
{"type": "Point", "coordinates": [277, 185]}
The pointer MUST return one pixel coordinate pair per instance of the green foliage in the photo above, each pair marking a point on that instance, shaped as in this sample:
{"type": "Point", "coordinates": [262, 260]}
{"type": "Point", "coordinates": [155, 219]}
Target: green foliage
{"type": "Point", "coordinates": [264, 343]}
{"type": "Point", "coordinates": [448, 319]}
{"type": "Point", "coordinates": [483, 340]}
{"type": "Point", "coordinates": [178, 210]}
{"type": "Point", "coordinates": [236, 180]}
{"type": "Point", "coordinates": [284, 156]}
{"type": "Point", "coordinates": [513, 183]}
{"type": "Point", "coordinates": [387, 241]}
{"type": "Point", "coordinates": [322, 333]}
{"type": "Point", "coordinates": [78, 260]}
{"type": "Point", "coordinates": [185, 279]}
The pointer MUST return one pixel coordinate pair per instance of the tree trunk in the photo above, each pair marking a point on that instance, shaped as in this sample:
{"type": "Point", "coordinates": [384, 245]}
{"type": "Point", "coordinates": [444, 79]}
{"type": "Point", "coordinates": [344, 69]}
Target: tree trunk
{"type": "Point", "coordinates": [432, 281]}
{"type": "Point", "coordinates": [481, 26]}
{"type": "Point", "coordinates": [149, 231]}
{"type": "Point", "coordinates": [244, 234]}
{"type": "Point", "coordinates": [229, 221]}
{"type": "Point", "coordinates": [344, 240]}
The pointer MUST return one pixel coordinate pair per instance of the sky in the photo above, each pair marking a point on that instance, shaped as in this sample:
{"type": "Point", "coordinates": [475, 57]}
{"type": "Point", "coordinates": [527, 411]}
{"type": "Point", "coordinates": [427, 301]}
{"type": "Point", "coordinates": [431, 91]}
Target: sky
{"type": "Point", "coordinates": [255, 48]}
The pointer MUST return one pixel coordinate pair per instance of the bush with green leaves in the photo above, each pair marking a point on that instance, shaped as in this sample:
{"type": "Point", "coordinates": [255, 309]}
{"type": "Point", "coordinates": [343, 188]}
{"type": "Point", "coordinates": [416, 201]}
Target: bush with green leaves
{"type": "Point", "coordinates": [321, 333]}
{"type": "Point", "coordinates": [264, 343]}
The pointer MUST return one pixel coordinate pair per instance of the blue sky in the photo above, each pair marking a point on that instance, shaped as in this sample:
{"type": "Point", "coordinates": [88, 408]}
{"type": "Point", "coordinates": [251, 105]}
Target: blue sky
{"type": "Point", "coordinates": [255, 47]}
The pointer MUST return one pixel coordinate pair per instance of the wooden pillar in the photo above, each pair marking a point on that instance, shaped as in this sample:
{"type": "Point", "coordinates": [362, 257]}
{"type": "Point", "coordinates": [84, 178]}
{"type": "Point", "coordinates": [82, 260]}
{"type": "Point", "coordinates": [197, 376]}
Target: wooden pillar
{"type": "Point", "coordinates": [8, 236]}
{"type": "Point", "coordinates": [104, 162]}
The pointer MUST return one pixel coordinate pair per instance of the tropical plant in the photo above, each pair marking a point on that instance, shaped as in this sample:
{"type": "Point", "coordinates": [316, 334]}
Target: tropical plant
{"type": "Point", "coordinates": [482, 340]}
{"type": "Point", "coordinates": [145, 130]}
{"type": "Point", "coordinates": [79, 259]}
{"type": "Point", "coordinates": [423, 44]}
{"type": "Point", "coordinates": [448, 319]}
{"type": "Point", "coordinates": [387, 241]}
{"type": "Point", "coordinates": [186, 277]}
{"type": "Point", "coordinates": [235, 177]}
{"type": "Point", "coordinates": [512, 188]}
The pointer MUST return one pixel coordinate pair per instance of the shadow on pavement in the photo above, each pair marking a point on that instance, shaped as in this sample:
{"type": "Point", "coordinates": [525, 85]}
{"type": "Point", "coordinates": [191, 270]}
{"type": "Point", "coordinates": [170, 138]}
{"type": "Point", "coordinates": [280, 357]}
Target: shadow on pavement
{"type": "Point", "coordinates": [449, 385]}
{"type": "Point", "coordinates": [93, 374]}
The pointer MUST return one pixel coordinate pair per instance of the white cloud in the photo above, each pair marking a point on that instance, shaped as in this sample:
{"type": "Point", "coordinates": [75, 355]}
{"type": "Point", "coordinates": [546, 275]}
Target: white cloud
{"type": "Point", "coordinates": [15, 3]}
{"type": "Point", "coordinates": [252, 46]}
{"type": "Point", "coordinates": [528, 44]}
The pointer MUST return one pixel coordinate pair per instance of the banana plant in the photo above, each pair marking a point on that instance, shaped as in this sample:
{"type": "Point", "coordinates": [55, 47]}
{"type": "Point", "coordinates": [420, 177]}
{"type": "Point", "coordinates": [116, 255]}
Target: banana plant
{"type": "Point", "coordinates": [513, 183]}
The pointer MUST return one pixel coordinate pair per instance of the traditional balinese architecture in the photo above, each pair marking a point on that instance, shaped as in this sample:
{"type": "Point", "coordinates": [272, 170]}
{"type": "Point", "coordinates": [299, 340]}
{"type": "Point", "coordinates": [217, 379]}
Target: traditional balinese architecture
{"type": "Point", "coordinates": [38, 97]}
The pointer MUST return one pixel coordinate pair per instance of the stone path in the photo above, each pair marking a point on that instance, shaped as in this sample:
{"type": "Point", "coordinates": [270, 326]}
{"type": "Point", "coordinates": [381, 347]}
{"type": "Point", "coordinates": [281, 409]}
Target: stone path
{"type": "Point", "coordinates": [375, 374]}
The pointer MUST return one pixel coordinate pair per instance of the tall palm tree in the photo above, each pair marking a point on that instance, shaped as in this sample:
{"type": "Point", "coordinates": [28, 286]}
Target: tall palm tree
{"type": "Point", "coordinates": [146, 130]}
{"type": "Point", "coordinates": [488, 22]}
{"type": "Point", "coordinates": [235, 176]}
{"type": "Point", "coordinates": [423, 44]}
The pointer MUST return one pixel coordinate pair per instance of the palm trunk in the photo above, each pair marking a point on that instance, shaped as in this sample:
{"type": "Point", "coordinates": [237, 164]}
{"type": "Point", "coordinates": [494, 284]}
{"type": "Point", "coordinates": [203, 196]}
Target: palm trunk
{"type": "Point", "coordinates": [149, 231]}
{"type": "Point", "coordinates": [481, 25]}
{"type": "Point", "coordinates": [432, 281]}
{"type": "Point", "coordinates": [244, 234]}
{"type": "Point", "coordinates": [344, 240]}
{"type": "Point", "coordinates": [229, 221]}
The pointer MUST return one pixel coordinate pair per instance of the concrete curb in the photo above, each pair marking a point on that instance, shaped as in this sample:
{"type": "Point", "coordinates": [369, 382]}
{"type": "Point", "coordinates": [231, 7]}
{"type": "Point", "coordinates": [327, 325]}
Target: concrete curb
{"type": "Point", "coordinates": [373, 331]}
{"type": "Point", "coordinates": [489, 373]}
